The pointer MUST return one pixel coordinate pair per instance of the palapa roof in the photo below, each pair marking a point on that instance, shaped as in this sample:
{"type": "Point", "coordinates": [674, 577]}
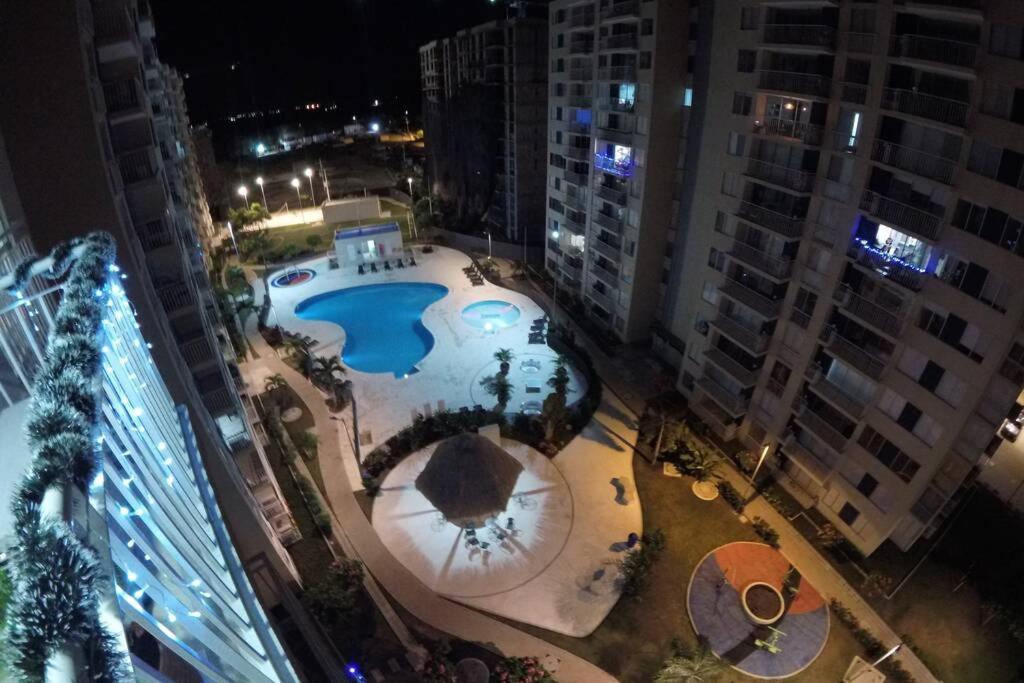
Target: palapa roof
{"type": "Point", "coordinates": [468, 477]}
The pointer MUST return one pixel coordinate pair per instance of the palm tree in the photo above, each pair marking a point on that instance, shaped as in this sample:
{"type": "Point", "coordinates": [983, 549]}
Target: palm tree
{"type": "Point", "coordinates": [504, 356]}
{"type": "Point", "coordinates": [500, 388]}
{"type": "Point", "coordinates": [276, 385]}
{"type": "Point", "coordinates": [560, 381]}
{"type": "Point", "coordinates": [325, 368]}
{"type": "Point", "coordinates": [697, 667]}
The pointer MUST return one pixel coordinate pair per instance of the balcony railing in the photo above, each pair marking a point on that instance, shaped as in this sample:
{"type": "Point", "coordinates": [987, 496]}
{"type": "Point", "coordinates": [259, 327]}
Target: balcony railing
{"type": "Point", "coordinates": [602, 300]}
{"type": "Point", "coordinates": [914, 160]}
{"type": "Point", "coordinates": [818, 426]}
{"type": "Point", "coordinates": [578, 19]}
{"type": "Point", "coordinates": [605, 249]}
{"type": "Point", "coordinates": [609, 273]}
{"type": "Point", "coordinates": [554, 246]}
{"type": "Point", "coordinates": [767, 218]}
{"type": "Point", "coordinates": [617, 73]}
{"type": "Point", "coordinates": [842, 141]}
{"type": "Point", "coordinates": [731, 402]}
{"type": "Point", "coordinates": [889, 268]}
{"type": "Point", "coordinates": [575, 178]}
{"type": "Point", "coordinates": [620, 167]}
{"type": "Point", "coordinates": [951, 52]}
{"type": "Point", "coordinates": [195, 351]}
{"type": "Point", "coordinates": [754, 341]}
{"type": "Point", "coordinates": [610, 223]}
{"type": "Point", "coordinates": [807, 133]}
{"type": "Point", "coordinates": [576, 152]}
{"type": "Point", "coordinates": [620, 41]}
{"type": "Point", "coordinates": [122, 96]}
{"type": "Point", "coordinates": [745, 376]}
{"type": "Point", "coordinates": [758, 303]}
{"type": "Point", "coordinates": [805, 459]}
{"type": "Point", "coordinates": [793, 178]}
{"type": "Point", "coordinates": [579, 127]}
{"type": "Point", "coordinates": [572, 270]}
{"type": "Point", "coordinates": [612, 194]}
{"type": "Point", "coordinates": [574, 225]}
{"type": "Point", "coordinates": [112, 24]}
{"type": "Point", "coordinates": [839, 398]}
{"type": "Point", "coordinates": [581, 47]}
{"type": "Point", "coordinates": [579, 74]}
{"type": "Point", "coordinates": [902, 215]}
{"type": "Point", "coordinates": [868, 363]}
{"type": "Point", "coordinates": [876, 315]}
{"type": "Point", "coordinates": [581, 101]}
{"type": "Point", "coordinates": [620, 135]}
{"type": "Point", "coordinates": [137, 166]}
{"type": "Point", "coordinates": [575, 202]}
{"type": "Point", "coordinates": [799, 34]}
{"type": "Point", "coordinates": [623, 8]}
{"type": "Point", "coordinates": [175, 296]}
{"type": "Point", "coordinates": [855, 93]}
{"type": "Point", "coordinates": [940, 109]}
{"type": "Point", "coordinates": [860, 42]}
{"type": "Point", "coordinates": [791, 81]}
{"type": "Point", "coordinates": [776, 267]}
{"type": "Point", "coordinates": [616, 104]}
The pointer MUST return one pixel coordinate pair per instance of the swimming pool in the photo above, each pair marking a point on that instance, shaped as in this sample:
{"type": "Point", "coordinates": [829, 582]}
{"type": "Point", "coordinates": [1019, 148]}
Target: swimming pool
{"type": "Point", "coordinates": [382, 323]}
{"type": "Point", "coordinates": [497, 314]}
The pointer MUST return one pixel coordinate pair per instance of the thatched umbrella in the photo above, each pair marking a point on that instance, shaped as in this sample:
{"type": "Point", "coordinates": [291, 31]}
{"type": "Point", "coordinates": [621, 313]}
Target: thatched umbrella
{"type": "Point", "coordinates": [469, 478]}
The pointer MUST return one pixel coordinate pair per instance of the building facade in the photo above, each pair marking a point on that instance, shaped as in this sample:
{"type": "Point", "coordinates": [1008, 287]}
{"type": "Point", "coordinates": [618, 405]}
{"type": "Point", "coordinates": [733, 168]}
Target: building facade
{"type": "Point", "coordinates": [850, 287]}
{"type": "Point", "coordinates": [484, 101]}
{"type": "Point", "coordinates": [170, 588]}
{"type": "Point", "coordinates": [616, 128]}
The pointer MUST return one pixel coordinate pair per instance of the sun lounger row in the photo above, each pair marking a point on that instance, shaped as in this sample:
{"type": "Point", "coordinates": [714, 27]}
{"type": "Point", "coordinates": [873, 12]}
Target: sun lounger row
{"type": "Point", "coordinates": [399, 263]}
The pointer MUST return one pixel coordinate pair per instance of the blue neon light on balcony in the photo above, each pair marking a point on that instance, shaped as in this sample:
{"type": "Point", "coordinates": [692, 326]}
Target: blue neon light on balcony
{"type": "Point", "coordinates": [622, 166]}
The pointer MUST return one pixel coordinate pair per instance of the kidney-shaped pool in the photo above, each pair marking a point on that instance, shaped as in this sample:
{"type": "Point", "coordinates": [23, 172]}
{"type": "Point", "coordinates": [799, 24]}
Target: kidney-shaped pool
{"type": "Point", "coordinates": [383, 327]}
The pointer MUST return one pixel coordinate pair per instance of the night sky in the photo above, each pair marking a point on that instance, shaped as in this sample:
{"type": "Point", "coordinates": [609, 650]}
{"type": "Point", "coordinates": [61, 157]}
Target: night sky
{"type": "Point", "coordinates": [345, 51]}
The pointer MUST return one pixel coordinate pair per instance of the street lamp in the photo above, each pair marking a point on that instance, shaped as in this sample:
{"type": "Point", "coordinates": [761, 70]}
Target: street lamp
{"type": "Point", "coordinates": [760, 461]}
{"type": "Point", "coordinates": [243, 192]}
{"type": "Point", "coordinates": [309, 174]}
{"type": "Point", "coordinates": [295, 183]}
{"type": "Point", "coordinates": [409, 180]}
{"type": "Point", "coordinates": [259, 181]}
{"type": "Point", "coordinates": [488, 245]}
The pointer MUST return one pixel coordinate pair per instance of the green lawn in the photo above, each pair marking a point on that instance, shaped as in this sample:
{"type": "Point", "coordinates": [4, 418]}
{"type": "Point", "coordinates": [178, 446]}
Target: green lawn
{"type": "Point", "coordinates": [637, 636]}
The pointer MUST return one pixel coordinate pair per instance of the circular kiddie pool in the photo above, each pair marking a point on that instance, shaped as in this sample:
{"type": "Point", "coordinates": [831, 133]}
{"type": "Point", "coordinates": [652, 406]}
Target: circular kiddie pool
{"type": "Point", "coordinates": [491, 315]}
{"type": "Point", "coordinates": [294, 277]}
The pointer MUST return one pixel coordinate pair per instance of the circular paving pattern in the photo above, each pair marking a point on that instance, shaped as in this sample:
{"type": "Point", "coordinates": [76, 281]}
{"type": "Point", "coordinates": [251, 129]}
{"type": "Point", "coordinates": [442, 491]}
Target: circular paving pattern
{"type": "Point", "coordinates": [742, 579]}
{"type": "Point", "coordinates": [294, 277]}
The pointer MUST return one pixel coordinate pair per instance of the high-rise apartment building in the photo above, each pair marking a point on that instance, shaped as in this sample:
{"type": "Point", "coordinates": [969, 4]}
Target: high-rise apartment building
{"type": "Point", "coordinates": [849, 289]}
{"type": "Point", "coordinates": [618, 95]}
{"type": "Point", "coordinates": [167, 582]}
{"type": "Point", "coordinates": [96, 136]}
{"type": "Point", "coordinates": [484, 103]}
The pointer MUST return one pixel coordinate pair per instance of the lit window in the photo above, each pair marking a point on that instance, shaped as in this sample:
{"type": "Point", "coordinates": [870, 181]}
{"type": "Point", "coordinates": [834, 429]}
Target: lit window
{"type": "Point", "coordinates": [688, 97]}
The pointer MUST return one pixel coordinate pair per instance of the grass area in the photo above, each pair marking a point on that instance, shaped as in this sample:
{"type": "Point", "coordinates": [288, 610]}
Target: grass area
{"type": "Point", "coordinates": [636, 638]}
{"type": "Point", "coordinates": [305, 423]}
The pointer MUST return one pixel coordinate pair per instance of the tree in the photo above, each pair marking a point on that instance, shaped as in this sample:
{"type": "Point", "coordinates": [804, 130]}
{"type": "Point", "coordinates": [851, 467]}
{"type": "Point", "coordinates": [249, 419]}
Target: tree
{"type": "Point", "coordinates": [253, 245]}
{"type": "Point", "coordinates": [251, 215]}
{"type": "Point", "coordinates": [518, 269]}
{"type": "Point", "coordinates": [559, 381]}
{"type": "Point", "coordinates": [314, 241]}
{"type": "Point", "coordinates": [555, 416]}
{"type": "Point", "coordinates": [277, 386]}
{"type": "Point", "coordinates": [500, 388]}
{"type": "Point", "coordinates": [830, 537]}
{"type": "Point", "coordinates": [877, 585]}
{"type": "Point", "coordinates": [325, 371]}
{"type": "Point", "coordinates": [306, 442]}
{"type": "Point", "coordinates": [298, 349]}
{"type": "Point", "coordinates": [694, 667]}
{"type": "Point", "coordinates": [336, 601]}
{"type": "Point", "coordinates": [504, 357]}
{"type": "Point", "coordinates": [699, 464]}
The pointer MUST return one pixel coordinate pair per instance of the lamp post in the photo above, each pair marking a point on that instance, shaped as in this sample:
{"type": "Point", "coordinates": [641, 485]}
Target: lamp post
{"type": "Point", "coordinates": [295, 183]}
{"type": "Point", "coordinates": [231, 231]}
{"type": "Point", "coordinates": [760, 461]}
{"type": "Point", "coordinates": [554, 299]}
{"type": "Point", "coordinates": [243, 192]}
{"type": "Point", "coordinates": [488, 245]}
{"type": "Point", "coordinates": [409, 180]}
{"type": "Point", "coordinates": [259, 181]}
{"type": "Point", "coordinates": [309, 175]}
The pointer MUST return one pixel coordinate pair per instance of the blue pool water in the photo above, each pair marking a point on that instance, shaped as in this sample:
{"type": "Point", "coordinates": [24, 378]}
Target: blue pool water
{"type": "Point", "coordinates": [383, 330]}
{"type": "Point", "coordinates": [497, 313]}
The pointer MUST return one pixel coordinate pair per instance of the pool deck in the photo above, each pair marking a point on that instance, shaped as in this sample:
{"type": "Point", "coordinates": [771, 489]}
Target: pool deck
{"type": "Point", "coordinates": [571, 593]}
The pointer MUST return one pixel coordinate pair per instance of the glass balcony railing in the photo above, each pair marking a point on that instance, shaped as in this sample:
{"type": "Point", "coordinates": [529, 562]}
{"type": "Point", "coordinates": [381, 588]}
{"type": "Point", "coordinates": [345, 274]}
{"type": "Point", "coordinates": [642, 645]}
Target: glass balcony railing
{"type": "Point", "coordinates": [792, 178]}
{"type": "Point", "coordinates": [893, 269]}
{"type": "Point", "coordinates": [942, 109]}
{"type": "Point", "coordinates": [942, 50]}
{"type": "Point", "coordinates": [799, 34]}
{"type": "Point", "coordinates": [742, 374]}
{"type": "Point", "coordinates": [755, 301]}
{"type": "Point", "coordinates": [787, 226]}
{"type": "Point", "coordinates": [821, 428]}
{"type": "Point", "coordinates": [612, 194]}
{"type": "Point", "coordinates": [878, 316]}
{"type": "Point", "coordinates": [773, 266]}
{"type": "Point", "coordinates": [913, 160]}
{"type": "Point", "coordinates": [751, 339]}
{"type": "Point", "coordinates": [607, 272]}
{"type": "Point", "coordinates": [795, 82]}
{"type": "Point", "coordinates": [854, 354]}
{"type": "Point", "coordinates": [622, 167]}
{"type": "Point", "coordinates": [807, 133]}
{"type": "Point", "coordinates": [612, 224]}
{"type": "Point", "coordinates": [902, 215]}
{"type": "Point", "coordinates": [730, 401]}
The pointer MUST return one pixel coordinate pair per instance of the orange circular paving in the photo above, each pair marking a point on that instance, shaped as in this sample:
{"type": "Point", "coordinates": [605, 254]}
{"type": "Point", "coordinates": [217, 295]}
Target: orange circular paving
{"type": "Point", "coordinates": [714, 601]}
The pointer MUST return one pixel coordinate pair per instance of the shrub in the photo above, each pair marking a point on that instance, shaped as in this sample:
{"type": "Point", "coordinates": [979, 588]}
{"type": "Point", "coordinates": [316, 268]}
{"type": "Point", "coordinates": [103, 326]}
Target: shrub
{"type": "Point", "coordinates": [522, 670]}
{"type": "Point", "coordinates": [306, 443]}
{"type": "Point", "coordinates": [314, 241]}
{"type": "Point", "coordinates": [877, 585]}
{"type": "Point", "coordinates": [766, 532]}
{"type": "Point", "coordinates": [731, 496]}
{"type": "Point", "coordinates": [321, 517]}
{"type": "Point", "coordinates": [872, 646]}
{"type": "Point", "coordinates": [637, 563]}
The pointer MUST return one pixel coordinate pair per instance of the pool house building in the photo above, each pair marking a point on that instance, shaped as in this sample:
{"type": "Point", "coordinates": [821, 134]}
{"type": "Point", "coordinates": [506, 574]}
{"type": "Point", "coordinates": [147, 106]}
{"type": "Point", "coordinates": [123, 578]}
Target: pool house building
{"type": "Point", "coordinates": [367, 244]}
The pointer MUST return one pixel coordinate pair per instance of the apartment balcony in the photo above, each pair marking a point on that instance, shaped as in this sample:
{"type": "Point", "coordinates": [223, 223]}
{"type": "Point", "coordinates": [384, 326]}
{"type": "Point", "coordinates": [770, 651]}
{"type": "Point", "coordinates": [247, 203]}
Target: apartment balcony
{"type": "Point", "coordinates": [941, 109]}
{"type": "Point", "coordinates": [574, 226]}
{"type": "Point", "coordinates": [196, 352]}
{"type": "Point", "coordinates": [155, 235]}
{"type": "Point", "coordinates": [616, 104]}
{"type": "Point", "coordinates": [742, 374]}
{"type": "Point", "coordinates": [716, 419]}
{"type": "Point", "coordinates": [941, 50]}
{"type": "Point", "coordinates": [902, 215]}
{"type": "Point", "coordinates": [820, 428]}
{"type": "Point", "coordinates": [854, 93]}
{"type": "Point", "coordinates": [602, 300]}
{"type": "Point", "coordinates": [554, 246]}
{"type": "Point", "coordinates": [842, 141]}
{"type": "Point", "coordinates": [608, 273]}
{"type": "Point", "coordinates": [805, 459]}
{"type": "Point", "coordinates": [219, 401]}
{"type": "Point", "coordinates": [795, 82]}
{"type": "Point", "coordinates": [860, 42]}
{"type": "Point", "coordinates": [614, 195]}
{"type": "Point", "coordinates": [581, 101]}
{"type": "Point", "coordinates": [579, 128]}
{"type": "Point", "coordinates": [884, 320]}
{"type": "Point", "coordinates": [113, 25]}
{"type": "Point", "coordinates": [576, 178]}
{"type": "Point", "coordinates": [781, 224]}
{"type": "Point", "coordinates": [580, 74]}
{"type": "Point", "coordinates": [581, 47]}
{"type": "Point", "coordinates": [175, 297]}
{"type": "Point", "coordinates": [760, 304]}
{"type": "Point", "coordinates": [914, 160]}
{"type": "Point", "coordinates": [609, 223]}
{"type": "Point", "coordinates": [623, 9]}
{"type": "Point", "coordinates": [572, 269]}
{"type": "Point", "coordinates": [575, 202]}
{"type": "Point", "coordinates": [784, 176]}
{"type": "Point", "coordinates": [578, 153]}
{"type": "Point", "coordinates": [752, 340]}
{"type": "Point", "coordinates": [620, 41]}
{"type": "Point", "coordinates": [617, 73]}
{"type": "Point", "coordinates": [852, 354]}
{"type": "Point", "coordinates": [772, 266]}
{"type": "Point", "coordinates": [607, 250]}
{"type": "Point", "coordinates": [838, 398]}
{"type": "Point", "coordinates": [581, 19]}
{"type": "Point", "coordinates": [895, 271]}
{"type": "Point", "coordinates": [802, 35]}
{"type": "Point", "coordinates": [806, 133]}
{"type": "Point", "coordinates": [733, 404]}
{"type": "Point", "coordinates": [622, 136]}
{"type": "Point", "coordinates": [138, 165]}
{"type": "Point", "coordinates": [124, 98]}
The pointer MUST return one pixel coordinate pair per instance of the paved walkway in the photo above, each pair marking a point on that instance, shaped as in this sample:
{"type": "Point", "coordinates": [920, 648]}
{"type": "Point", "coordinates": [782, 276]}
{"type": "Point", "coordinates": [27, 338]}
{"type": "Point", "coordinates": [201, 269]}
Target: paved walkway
{"type": "Point", "coordinates": [796, 548]}
{"type": "Point", "coordinates": [358, 538]}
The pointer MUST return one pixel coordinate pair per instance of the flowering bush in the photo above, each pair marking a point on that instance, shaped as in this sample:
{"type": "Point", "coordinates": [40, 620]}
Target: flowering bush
{"type": "Point", "coordinates": [522, 670]}
{"type": "Point", "coordinates": [438, 669]}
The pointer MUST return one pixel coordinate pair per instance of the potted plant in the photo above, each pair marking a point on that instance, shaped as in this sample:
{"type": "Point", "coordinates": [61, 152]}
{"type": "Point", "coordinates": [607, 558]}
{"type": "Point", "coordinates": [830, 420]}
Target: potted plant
{"type": "Point", "coordinates": [504, 357]}
{"type": "Point", "coordinates": [500, 388]}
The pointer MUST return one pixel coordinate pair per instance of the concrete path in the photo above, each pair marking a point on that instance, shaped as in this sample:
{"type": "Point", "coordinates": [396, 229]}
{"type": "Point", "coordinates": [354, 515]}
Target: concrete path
{"type": "Point", "coordinates": [358, 538]}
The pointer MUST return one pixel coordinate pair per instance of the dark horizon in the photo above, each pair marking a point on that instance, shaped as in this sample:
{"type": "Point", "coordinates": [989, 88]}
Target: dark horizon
{"type": "Point", "coordinates": [349, 52]}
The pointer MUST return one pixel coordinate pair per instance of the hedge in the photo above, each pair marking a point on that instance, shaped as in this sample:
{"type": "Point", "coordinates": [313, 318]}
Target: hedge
{"type": "Point", "coordinates": [872, 646]}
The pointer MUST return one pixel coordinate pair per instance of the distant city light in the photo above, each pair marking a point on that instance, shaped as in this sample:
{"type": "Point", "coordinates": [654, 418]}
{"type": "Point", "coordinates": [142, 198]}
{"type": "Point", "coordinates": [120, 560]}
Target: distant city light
{"type": "Point", "coordinates": [261, 148]}
{"type": "Point", "coordinates": [375, 127]}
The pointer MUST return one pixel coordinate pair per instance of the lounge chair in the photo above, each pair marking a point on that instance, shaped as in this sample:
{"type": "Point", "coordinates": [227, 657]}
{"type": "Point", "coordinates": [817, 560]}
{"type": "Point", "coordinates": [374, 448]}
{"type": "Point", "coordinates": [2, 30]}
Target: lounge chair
{"type": "Point", "coordinates": [362, 271]}
{"type": "Point", "coordinates": [412, 260]}
{"type": "Point", "coordinates": [373, 267]}
{"type": "Point", "coordinates": [400, 263]}
{"type": "Point", "coordinates": [387, 265]}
